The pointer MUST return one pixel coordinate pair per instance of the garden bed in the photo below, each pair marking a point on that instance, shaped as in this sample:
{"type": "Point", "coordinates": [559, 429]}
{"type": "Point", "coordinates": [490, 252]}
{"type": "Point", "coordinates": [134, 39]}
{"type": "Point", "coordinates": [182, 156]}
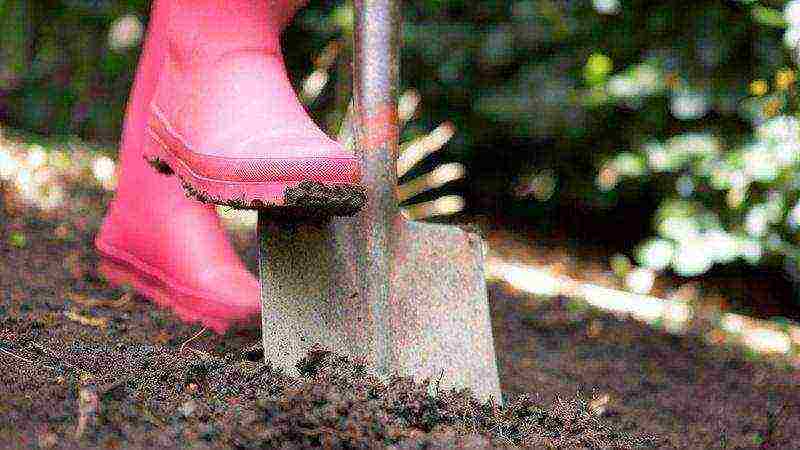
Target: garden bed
{"type": "Point", "coordinates": [87, 365]}
{"type": "Point", "coordinates": [82, 364]}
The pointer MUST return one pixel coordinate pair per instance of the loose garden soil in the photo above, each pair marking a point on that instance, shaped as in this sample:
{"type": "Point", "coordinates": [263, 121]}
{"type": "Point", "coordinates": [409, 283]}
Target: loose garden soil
{"type": "Point", "coordinates": [85, 365]}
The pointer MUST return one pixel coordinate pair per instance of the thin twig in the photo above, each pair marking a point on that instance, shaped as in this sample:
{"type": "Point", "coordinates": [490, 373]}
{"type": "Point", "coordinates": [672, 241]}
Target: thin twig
{"type": "Point", "coordinates": [26, 359]}
{"type": "Point", "coordinates": [89, 301]}
{"type": "Point", "coordinates": [200, 352]}
{"type": "Point", "coordinates": [47, 353]}
{"type": "Point", "coordinates": [88, 410]}
{"type": "Point", "coordinates": [99, 322]}
{"type": "Point", "coordinates": [183, 346]}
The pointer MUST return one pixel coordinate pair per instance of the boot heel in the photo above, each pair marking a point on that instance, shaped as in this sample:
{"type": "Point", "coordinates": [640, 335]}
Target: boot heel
{"type": "Point", "coordinates": [155, 156]}
{"type": "Point", "coordinates": [188, 307]}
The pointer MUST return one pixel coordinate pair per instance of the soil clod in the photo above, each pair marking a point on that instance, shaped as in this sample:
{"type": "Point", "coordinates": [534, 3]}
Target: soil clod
{"type": "Point", "coordinates": [159, 165]}
{"type": "Point", "coordinates": [309, 199]}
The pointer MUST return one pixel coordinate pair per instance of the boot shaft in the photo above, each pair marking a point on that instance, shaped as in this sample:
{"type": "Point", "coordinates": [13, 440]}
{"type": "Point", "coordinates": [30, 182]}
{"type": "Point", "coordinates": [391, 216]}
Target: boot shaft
{"type": "Point", "coordinates": [206, 29]}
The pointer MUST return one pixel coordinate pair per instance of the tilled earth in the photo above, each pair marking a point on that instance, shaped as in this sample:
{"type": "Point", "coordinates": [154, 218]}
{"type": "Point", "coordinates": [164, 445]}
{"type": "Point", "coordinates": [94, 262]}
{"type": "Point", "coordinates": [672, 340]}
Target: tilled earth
{"type": "Point", "coordinates": [85, 365]}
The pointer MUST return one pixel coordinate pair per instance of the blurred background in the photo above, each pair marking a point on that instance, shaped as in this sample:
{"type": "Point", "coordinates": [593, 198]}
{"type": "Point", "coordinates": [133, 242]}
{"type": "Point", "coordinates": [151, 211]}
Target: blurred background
{"type": "Point", "coordinates": [649, 147]}
{"type": "Point", "coordinates": [634, 167]}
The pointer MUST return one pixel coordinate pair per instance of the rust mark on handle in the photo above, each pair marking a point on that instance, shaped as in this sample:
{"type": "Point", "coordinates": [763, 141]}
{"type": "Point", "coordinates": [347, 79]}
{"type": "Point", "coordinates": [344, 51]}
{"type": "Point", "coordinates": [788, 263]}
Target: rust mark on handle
{"type": "Point", "coordinates": [380, 128]}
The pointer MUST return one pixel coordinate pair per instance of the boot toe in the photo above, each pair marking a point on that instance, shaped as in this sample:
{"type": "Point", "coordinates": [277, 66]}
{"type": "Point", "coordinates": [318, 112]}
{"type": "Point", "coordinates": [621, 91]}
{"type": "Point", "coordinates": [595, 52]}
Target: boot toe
{"type": "Point", "coordinates": [231, 293]}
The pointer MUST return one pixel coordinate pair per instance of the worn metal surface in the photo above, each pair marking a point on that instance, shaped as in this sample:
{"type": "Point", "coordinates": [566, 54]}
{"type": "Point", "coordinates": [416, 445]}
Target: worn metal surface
{"type": "Point", "coordinates": [438, 311]}
{"type": "Point", "coordinates": [408, 296]}
{"type": "Point", "coordinates": [299, 301]}
{"type": "Point", "coordinates": [375, 85]}
{"type": "Point", "coordinates": [435, 322]}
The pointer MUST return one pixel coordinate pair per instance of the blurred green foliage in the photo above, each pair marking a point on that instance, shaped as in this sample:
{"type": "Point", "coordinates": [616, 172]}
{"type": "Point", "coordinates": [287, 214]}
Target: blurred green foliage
{"type": "Point", "coordinates": [688, 111]}
{"type": "Point", "coordinates": [724, 193]}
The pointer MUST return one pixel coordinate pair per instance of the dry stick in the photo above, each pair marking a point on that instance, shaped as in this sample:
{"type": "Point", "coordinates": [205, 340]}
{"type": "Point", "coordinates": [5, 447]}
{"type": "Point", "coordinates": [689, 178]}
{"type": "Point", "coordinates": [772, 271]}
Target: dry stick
{"type": "Point", "coordinates": [439, 381]}
{"type": "Point", "coordinates": [99, 322]}
{"type": "Point", "coordinates": [88, 301]}
{"type": "Point", "coordinates": [435, 179]}
{"type": "Point", "coordinates": [415, 151]}
{"type": "Point", "coordinates": [88, 409]}
{"type": "Point", "coordinates": [26, 360]}
{"type": "Point", "coordinates": [442, 206]}
{"type": "Point", "coordinates": [346, 137]}
{"type": "Point", "coordinates": [180, 352]}
{"type": "Point", "coordinates": [314, 83]}
{"type": "Point", "coordinates": [200, 352]}
{"type": "Point", "coordinates": [343, 93]}
{"type": "Point", "coordinates": [47, 353]}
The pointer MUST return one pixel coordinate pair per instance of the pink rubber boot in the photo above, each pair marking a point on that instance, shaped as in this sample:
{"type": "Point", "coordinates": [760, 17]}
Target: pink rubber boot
{"type": "Point", "coordinates": [171, 249]}
{"type": "Point", "coordinates": [227, 122]}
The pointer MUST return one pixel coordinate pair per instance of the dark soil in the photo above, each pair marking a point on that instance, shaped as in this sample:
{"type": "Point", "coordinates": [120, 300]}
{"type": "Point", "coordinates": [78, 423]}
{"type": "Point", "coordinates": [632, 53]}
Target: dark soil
{"type": "Point", "coordinates": [694, 395]}
{"type": "Point", "coordinates": [98, 370]}
{"type": "Point", "coordinates": [84, 365]}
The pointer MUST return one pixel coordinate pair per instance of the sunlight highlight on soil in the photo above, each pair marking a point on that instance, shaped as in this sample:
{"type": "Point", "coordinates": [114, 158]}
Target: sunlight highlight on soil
{"type": "Point", "coordinates": [672, 315]}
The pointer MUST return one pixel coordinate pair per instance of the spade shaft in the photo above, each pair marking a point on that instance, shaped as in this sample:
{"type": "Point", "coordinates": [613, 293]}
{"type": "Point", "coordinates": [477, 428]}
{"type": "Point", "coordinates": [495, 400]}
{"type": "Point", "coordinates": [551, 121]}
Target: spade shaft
{"type": "Point", "coordinates": [375, 86]}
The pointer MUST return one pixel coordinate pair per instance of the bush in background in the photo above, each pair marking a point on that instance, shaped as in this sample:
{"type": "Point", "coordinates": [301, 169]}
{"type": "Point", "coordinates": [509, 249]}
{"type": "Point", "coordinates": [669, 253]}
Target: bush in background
{"type": "Point", "coordinates": [596, 105]}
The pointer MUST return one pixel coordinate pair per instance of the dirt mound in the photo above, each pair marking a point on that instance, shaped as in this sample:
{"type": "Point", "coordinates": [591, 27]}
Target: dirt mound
{"type": "Point", "coordinates": [83, 365]}
{"type": "Point", "coordinates": [71, 394]}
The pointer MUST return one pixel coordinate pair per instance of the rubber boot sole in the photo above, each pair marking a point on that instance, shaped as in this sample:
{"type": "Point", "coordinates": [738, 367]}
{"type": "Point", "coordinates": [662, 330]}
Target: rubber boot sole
{"type": "Point", "coordinates": [306, 198]}
{"type": "Point", "coordinates": [122, 269]}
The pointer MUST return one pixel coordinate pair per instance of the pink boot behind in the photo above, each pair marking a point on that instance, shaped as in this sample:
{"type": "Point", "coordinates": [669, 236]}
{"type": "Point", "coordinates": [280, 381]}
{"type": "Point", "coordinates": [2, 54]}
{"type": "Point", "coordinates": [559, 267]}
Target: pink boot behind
{"type": "Point", "coordinates": [171, 249]}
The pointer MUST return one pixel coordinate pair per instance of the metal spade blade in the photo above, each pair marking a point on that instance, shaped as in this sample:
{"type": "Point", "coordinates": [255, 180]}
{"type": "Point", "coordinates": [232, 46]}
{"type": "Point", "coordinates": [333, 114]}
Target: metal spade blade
{"type": "Point", "coordinates": [409, 296]}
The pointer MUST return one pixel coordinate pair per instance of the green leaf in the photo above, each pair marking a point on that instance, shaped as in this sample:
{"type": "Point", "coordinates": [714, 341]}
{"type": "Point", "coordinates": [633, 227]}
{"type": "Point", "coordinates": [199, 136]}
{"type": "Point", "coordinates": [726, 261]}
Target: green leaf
{"type": "Point", "coordinates": [597, 68]}
{"type": "Point", "coordinates": [768, 16]}
{"type": "Point", "coordinates": [17, 239]}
